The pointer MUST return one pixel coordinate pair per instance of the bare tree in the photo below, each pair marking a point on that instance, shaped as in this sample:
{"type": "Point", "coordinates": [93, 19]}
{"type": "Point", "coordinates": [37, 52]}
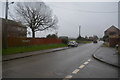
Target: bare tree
{"type": "Point", "coordinates": [37, 16]}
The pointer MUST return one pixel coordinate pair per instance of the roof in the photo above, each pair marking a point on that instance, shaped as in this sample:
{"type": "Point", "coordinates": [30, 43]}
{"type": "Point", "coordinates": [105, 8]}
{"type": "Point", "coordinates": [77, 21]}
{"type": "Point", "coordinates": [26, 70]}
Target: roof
{"type": "Point", "coordinates": [112, 27]}
{"type": "Point", "coordinates": [13, 23]}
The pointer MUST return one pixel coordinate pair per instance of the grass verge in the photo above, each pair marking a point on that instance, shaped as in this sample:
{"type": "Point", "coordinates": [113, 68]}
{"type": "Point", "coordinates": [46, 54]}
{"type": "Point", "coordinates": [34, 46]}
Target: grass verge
{"type": "Point", "coordinates": [104, 45]}
{"type": "Point", "coordinates": [119, 51]}
{"type": "Point", "coordinates": [13, 50]}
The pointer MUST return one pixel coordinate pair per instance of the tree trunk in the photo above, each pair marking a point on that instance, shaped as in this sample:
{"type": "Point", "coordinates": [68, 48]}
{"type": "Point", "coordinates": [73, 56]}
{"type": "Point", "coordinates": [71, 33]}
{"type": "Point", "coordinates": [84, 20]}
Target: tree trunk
{"type": "Point", "coordinates": [33, 34]}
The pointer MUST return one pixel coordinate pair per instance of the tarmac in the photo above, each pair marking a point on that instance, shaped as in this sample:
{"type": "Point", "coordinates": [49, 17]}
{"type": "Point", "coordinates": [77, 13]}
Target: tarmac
{"type": "Point", "coordinates": [108, 55]}
{"type": "Point", "coordinates": [103, 54]}
{"type": "Point", "coordinates": [27, 54]}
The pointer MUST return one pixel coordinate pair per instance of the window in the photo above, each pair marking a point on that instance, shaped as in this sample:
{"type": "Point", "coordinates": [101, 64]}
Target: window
{"type": "Point", "coordinates": [112, 33]}
{"type": "Point", "coordinates": [23, 30]}
{"type": "Point", "coordinates": [19, 29]}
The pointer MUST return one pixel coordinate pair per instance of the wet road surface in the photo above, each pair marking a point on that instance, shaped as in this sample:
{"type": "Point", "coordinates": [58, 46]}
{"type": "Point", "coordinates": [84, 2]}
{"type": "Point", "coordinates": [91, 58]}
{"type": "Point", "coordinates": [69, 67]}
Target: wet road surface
{"type": "Point", "coordinates": [71, 63]}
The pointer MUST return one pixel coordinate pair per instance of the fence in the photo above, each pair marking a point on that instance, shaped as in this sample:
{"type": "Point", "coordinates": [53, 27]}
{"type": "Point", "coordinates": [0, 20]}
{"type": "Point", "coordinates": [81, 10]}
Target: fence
{"type": "Point", "coordinates": [12, 42]}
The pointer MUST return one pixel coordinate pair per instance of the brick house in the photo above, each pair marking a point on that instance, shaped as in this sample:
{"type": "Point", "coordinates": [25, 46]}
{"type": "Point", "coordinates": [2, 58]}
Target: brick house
{"type": "Point", "coordinates": [112, 32]}
{"type": "Point", "coordinates": [112, 35]}
{"type": "Point", "coordinates": [14, 29]}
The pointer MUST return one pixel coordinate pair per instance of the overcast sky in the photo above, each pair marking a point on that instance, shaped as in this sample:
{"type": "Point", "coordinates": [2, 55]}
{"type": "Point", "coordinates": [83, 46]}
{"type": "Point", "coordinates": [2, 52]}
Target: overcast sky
{"type": "Point", "coordinates": [93, 17]}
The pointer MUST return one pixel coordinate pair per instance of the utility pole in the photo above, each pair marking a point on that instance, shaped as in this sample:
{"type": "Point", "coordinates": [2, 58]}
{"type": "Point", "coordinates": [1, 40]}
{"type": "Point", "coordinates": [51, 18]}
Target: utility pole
{"type": "Point", "coordinates": [79, 30]}
{"type": "Point", "coordinates": [5, 27]}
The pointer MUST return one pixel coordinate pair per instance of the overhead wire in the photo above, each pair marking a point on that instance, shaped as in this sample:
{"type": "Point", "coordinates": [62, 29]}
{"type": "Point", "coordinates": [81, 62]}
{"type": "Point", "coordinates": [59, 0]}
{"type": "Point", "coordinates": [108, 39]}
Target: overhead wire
{"type": "Point", "coordinates": [88, 11]}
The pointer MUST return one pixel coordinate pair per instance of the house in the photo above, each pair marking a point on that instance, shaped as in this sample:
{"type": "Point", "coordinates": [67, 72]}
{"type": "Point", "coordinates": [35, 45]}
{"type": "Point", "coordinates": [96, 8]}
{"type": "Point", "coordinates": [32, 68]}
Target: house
{"type": "Point", "coordinates": [14, 29]}
{"type": "Point", "coordinates": [112, 36]}
{"type": "Point", "coordinates": [112, 32]}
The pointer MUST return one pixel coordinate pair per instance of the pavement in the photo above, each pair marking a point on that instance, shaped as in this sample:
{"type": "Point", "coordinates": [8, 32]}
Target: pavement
{"type": "Point", "coordinates": [107, 55]}
{"type": "Point", "coordinates": [27, 54]}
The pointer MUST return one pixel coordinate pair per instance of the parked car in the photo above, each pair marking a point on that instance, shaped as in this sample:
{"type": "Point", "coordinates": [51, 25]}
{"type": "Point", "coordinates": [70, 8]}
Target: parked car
{"type": "Point", "coordinates": [72, 44]}
{"type": "Point", "coordinates": [95, 41]}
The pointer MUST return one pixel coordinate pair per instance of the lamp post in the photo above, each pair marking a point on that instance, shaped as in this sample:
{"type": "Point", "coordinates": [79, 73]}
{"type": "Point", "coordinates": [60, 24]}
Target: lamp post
{"type": "Point", "coordinates": [6, 24]}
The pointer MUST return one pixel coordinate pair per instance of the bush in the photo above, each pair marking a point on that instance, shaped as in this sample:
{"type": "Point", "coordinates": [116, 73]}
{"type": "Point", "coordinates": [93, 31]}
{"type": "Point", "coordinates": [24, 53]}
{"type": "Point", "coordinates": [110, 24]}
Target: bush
{"type": "Point", "coordinates": [51, 36]}
{"type": "Point", "coordinates": [64, 39]}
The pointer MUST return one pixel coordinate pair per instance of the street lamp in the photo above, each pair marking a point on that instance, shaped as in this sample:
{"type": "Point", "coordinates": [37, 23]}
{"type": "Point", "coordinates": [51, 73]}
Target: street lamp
{"type": "Point", "coordinates": [11, 3]}
{"type": "Point", "coordinates": [6, 24]}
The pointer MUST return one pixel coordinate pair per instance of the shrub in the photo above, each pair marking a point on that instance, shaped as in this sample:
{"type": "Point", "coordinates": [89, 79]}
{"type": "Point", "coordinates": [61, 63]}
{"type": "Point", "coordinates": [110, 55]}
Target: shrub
{"type": "Point", "coordinates": [64, 40]}
{"type": "Point", "coordinates": [51, 36]}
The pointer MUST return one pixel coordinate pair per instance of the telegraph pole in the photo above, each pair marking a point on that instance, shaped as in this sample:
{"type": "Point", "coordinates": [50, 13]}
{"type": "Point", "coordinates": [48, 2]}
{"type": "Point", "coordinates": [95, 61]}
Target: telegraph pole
{"type": "Point", "coordinates": [79, 30]}
{"type": "Point", "coordinates": [5, 27]}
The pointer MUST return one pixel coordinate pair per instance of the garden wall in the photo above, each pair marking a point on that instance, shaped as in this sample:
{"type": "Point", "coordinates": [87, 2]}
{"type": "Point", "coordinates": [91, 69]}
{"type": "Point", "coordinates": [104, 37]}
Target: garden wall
{"type": "Point", "coordinates": [12, 42]}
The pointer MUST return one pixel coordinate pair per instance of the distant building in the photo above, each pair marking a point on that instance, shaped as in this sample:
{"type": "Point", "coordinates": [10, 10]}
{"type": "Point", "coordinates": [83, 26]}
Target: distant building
{"type": "Point", "coordinates": [86, 37]}
{"type": "Point", "coordinates": [91, 38]}
{"type": "Point", "coordinates": [112, 32]}
{"type": "Point", "coordinates": [14, 29]}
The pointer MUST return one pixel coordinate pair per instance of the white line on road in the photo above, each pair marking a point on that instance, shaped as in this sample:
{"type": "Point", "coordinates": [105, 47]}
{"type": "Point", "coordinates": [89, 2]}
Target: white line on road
{"type": "Point", "coordinates": [86, 62]}
{"type": "Point", "coordinates": [89, 59]}
{"type": "Point", "coordinates": [81, 66]}
{"type": "Point", "coordinates": [68, 76]}
{"type": "Point", "coordinates": [75, 71]}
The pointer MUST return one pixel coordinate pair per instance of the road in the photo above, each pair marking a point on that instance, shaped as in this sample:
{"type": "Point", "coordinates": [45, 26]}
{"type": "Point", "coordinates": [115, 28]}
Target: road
{"type": "Point", "coordinates": [71, 63]}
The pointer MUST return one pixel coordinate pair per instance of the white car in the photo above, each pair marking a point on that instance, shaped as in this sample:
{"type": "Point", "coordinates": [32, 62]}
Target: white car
{"type": "Point", "coordinates": [72, 44]}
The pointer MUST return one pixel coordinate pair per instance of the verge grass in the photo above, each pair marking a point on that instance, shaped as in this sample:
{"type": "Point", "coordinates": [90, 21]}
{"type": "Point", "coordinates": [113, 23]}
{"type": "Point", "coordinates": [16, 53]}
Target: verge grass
{"type": "Point", "coordinates": [104, 45]}
{"type": "Point", "coordinates": [22, 49]}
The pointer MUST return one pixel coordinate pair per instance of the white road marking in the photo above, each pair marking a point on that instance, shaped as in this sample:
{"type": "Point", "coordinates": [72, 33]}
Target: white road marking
{"type": "Point", "coordinates": [81, 66]}
{"type": "Point", "coordinates": [68, 76]}
{"type": "Point", "coordinates": [75, 71]}
{"type": "Point", "coordinates": [86, 62]}
{"type": "Point", "coordinates": [89, 59]}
